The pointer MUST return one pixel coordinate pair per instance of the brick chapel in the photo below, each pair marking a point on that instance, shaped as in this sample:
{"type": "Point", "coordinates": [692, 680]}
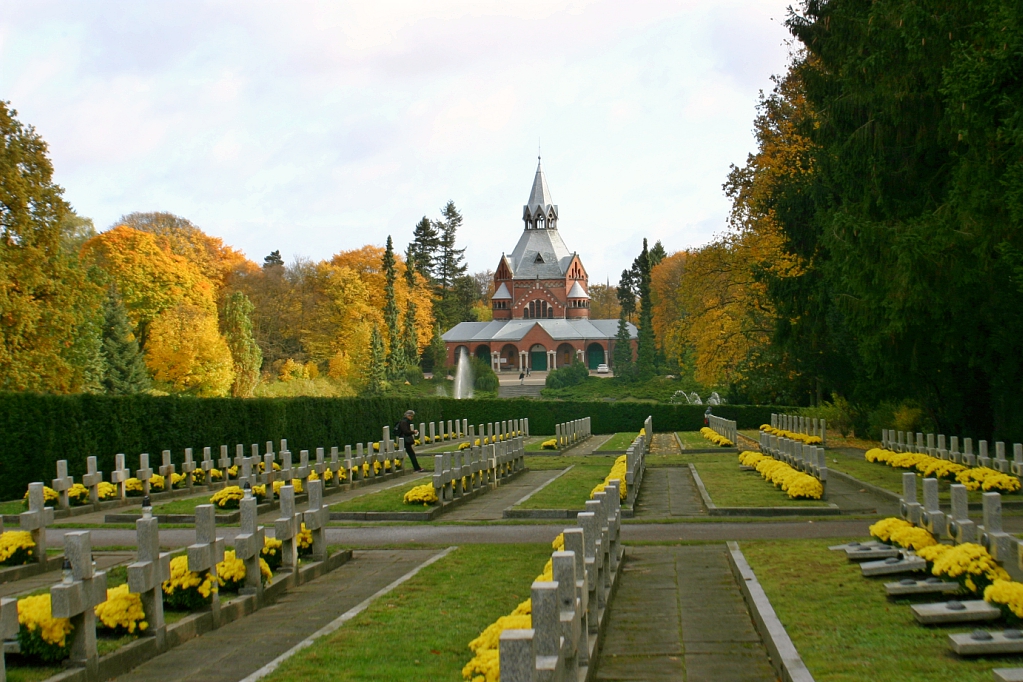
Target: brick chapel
{"type": "Point", "coordinates": [541, 307]}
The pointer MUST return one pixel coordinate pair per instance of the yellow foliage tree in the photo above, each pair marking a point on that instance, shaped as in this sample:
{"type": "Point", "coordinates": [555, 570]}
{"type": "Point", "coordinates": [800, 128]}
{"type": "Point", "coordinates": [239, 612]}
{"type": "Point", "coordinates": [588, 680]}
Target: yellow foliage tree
{"type": "Point", "coordinates": [186, 353]}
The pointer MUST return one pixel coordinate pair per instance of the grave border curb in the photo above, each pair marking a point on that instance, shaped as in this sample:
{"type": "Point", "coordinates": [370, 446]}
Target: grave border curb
{"type": "Point", "coordinates": [714, 510]}
{"type": "Point", "coordinates": [870, 487]}
{"type": "Point", "coordinates": [131, 655]}
{"type": "Point", "coordinates": [785, 657]}
{"type": "Point", "coordinates": [10, 574]}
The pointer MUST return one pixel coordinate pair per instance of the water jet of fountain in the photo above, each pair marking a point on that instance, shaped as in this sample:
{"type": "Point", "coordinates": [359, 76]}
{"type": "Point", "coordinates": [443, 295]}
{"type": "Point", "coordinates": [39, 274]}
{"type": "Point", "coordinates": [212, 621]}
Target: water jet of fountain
{"type": "Point", "coordinates": [463, 376]}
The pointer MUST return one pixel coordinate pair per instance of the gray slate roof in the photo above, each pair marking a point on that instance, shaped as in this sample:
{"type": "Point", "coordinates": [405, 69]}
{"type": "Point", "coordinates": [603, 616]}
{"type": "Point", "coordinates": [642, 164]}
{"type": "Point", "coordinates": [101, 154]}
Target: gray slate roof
{"type": "Point", "coordinates": [551, 247]}
{"type": "Point", "coordinates": [516, 330]}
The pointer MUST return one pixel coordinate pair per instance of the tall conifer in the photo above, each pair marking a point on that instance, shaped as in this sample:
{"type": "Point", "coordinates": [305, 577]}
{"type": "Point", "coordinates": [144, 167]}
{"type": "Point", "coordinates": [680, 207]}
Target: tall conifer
{"type": "Point", "coordinates": [408, 332]}
{"type": "Point", "coordinates": [396, 361]}
{"type": "Point", "coordinates": [245, 353]}
{"type": "Point", "coordinates": [125, 368]}
{"type": "Point", "coordinates": [647, 352]}
{"type": "Point", "coordinates": [377, 363]}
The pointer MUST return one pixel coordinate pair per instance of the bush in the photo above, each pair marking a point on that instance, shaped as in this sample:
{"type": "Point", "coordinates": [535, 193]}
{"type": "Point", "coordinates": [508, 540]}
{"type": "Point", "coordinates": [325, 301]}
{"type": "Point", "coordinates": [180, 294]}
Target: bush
{"type": "Point", "coordinates": [570, 375]}
{"type": "Point", "coordinates": [485, 380]}
{"type": "Point", "coordinates": [414, 375]}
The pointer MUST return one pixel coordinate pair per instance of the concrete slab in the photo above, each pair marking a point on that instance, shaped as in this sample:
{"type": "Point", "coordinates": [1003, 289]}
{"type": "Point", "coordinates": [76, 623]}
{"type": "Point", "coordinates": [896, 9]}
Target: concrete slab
{"type": "Point", "coordinates": [986, 642]}
{"type": "Point", "coordinates": [910, 586]}
{"type": "Point", "coordinates": [955, 611]}
{"type": "Point", "coordinates": [893, 566]}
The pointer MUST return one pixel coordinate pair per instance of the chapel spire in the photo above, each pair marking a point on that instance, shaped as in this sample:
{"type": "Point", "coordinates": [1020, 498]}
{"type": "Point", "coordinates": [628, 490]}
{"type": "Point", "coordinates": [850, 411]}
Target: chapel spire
{"type": "Point", "coordinates": [540, 212]}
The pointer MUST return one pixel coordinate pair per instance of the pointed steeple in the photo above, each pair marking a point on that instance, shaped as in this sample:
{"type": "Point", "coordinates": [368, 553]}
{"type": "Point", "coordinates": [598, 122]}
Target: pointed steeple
{"type": "Point", "coordinates": [540, 212]}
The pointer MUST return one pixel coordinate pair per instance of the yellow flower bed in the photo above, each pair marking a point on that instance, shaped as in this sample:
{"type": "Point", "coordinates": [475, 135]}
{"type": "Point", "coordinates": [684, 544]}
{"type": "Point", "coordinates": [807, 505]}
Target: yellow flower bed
{"type": "Point", "coordinates": [792, 435]}
{"type": "Point", "coordinates": [617, 471]}
{"type": "Point", "coordinates": [882, 530]}
{"type": "Point", "coordinates": [188, 590]}
{"type": "Point", "coordinates": [485, 663]}
{"type": "Point", "coordinates": [50, 496]}
{"type": "Point", "coordinates": [1006, 595]}
{"type": "Point", "coordinates": [715, 437]}
{"type": "Point", "coordinates": [231, 572]}
{"type": "Point", "coordinates": [230, 497]}
{"type": "Point", "coordinates": [16, 548]}
{"type": "Point", "coordinates": [41, 635]}
{"type": "Point", "coordinates": [304, 540]}
{"type": "Point", "coordinates": [421, 494]}
{"type": "Point", "coordinates": [122, 611]}
{"type": "Point", "coordinates": [912, 538]}
{"type": "Point", "coordinates": [78, 495]}
{"type": "Point", "coordinates": [931, 553]}
{"type": "Point", "coordinates": [795, 483]}
{"type": "Point", "coordinates": [551, 444]}
{"type": "Point", "coordinates": [133, 486]}
{"type": "Point", "coordinates": [975, 478]}
{"type": "Point", "coordinates": [272, 553]}
{"type": "Point", "coordinates": [970, 565]}
{"type": "Point", "coordinates": [107, 491]}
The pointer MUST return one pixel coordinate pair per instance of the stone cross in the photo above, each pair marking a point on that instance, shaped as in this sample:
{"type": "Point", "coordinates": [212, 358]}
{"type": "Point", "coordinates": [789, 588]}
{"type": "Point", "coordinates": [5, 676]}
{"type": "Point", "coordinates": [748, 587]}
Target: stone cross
{"type": "Point", "coordinates": [8, 628]}
{"type": "Point", "coordinates": [147, 575]}
{"type": "Point", "coordinates": [350, 465]}
{"type": "Point", "coordinates": [953, 450]}
{"type": "Point", "coordinates": [225, 461]}
{"type": "Point", "coordinates": [576, 544]}
{"type": "Point", "coordinates": [960, 527]}
{"type": "Point", "coordinates": [249, 544]}
{"type": "Point", "coordinates": [983, 459]}
{"type": "Point", "coordinates": [284, 444]}
{"type": "Point", "coordinates": [356, 465]}
{"type": "Point", "coordinates": [321, 465]}
{"type": "Point", "coordinates": [287, 473]}
{"type": "Point", "coordinates": [269, 476]}
{"type": "Point", "coordinates": [969, 459]}
{"type": "Point", "coordinates": [92, 478]}
{"type": "Point", "coordinates": [167, 470]}
{"type": "Point", "coordinates": [208, 550]}
{"type": "Point", "coordinates": [997, 542]}
{"type": "Point", "coordinates": [36, 519]}
{"type": "Point", "coordinates": [245, 475]}
{"type": "Point", "coordinates": [120, 474]}
{"type": "Point", "coordinates": [932, 518]}
{"type": "Point", "coordinates": [1000, 463]}
{"type": "Point", "coordinates": [386, 438]}
{"type": "Point", "coordinates": [286, 528]}
{"type": "Point", "coordinates": [63, 483]}
{"type": "Point", "coordinates": [517, 656]}
{"type": "Point", "coordinates": [207, 466]}
{"type": "Point", "coordinates": [563, 571]}
{"type": "Point", "coordinates": [334, 466]}
{"type": "Point", "coordinates": [254, 451]}
{"type": "Point", "coordinates": [316, 519]}
{"type": "Point", "coordinates": [546, 625]}
{"type": "Point", "coordinates": [1017, 459]}
{"type": "Point", "coordinates": [450, 436]}
{"type": "Point", "coordinates": [239, 457]}
{"type": "Point", "coordinates": [433, 432]}
{"type": "Point", "coordinates": [909, 507]}
{"type": "Point", "coordinates": [75, 597]}
{"type": "Point", "coordinates": [144, 472]}
{"type": "Point", "coordinates": [303, 465]}
{"type": "Point", "coordinates": [465, 426]}
{"type": "Point", "coordinates": [188, 468]}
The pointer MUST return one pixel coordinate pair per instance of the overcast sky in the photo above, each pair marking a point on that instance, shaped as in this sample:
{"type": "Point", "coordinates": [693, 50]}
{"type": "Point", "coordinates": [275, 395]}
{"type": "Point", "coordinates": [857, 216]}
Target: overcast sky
{"type": "Point", "coordinates": [313, 127]}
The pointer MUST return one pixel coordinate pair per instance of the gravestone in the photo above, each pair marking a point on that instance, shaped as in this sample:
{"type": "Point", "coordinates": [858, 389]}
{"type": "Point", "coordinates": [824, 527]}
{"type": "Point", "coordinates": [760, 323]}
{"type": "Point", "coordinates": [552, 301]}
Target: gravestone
{"type": "Point", "coordinates": [517, 656]}
{"type": "Point", "coordinates": [287, 472]}
{"type": "Point", "coordinates": [36, 519]}
{"type": "Point", "coordinates": [286, 528]}
{"type": "Point", "coordinates": [62, 484]}
{"type": "Point", "coordinates": [1017, 459]}
{"type": "Point", "coordinates": [911, 586]}
{"type": "Point", "coordinates": [207, 551]}
{"type": "Point", "coordinates": [335, 466]}
{"type": "Point", "coordinates": [91, 480]}
{"type": "Point", "coordinates": [188, 469]}
{"type": "Point", "coordinates": [302, 472]}
{"type": "Point", "coordinates": [960, 527]}
{"type": "Point", "coordinates": [906, 563]}
{"type": "Point", "coordinates": [120, 475]}
{"type": "Point", "coordinates": [245, 476]}
{"type": "Point", "coordinates": [224, 462]}
{"type": "Point", "coordinates": [207, 467]}
{"type": "Point", "coordinates": [8, 629]}
{"type": "Point", "coordinates": [547, 628]}
{"type": "Point", "coordinates": [953, 450]}
{"type": "Point", "coordinates": [998, 543]}
{"type": "Point", "coordinates": [144, 473]}
{"type": "Point", "coordinates": [167, 470]}
{"type": "Point", "coordinates": [239, 457]}
{"type": "Point", "coordinates": [932, 518]}
{"type": "Point", "coordinates": [248, 545]}
{"type": "Point", "coordinates": [147, 575]}
{"type": "Point", "coordinates": [955, 611]}
{"type": "Point", "coordinates": [82, 588]}
{"type": "Point", "coordinates": [983, 459]}
{"type": "Point", "coordinates": [968, 459]}
{"type": "Point", "coordinates": [1000, 463]}
{"type": "Point", "coordinates": [320, 466]}
{"type": "Point", "coordinates": [908, 505]}
{"type": "Point", "coordinates": [316, 518]}
{"type": "Point", "coordinates": [269, 476]}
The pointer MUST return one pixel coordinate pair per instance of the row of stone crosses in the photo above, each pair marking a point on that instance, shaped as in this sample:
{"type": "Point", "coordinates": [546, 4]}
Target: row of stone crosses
{"type": "Point", "coordinates": [83, 587]}
{"type": "Point", "coordinates": [810, 426]}
{"type": "Point", "coordinates": [247, 466]}
{"type": "Point", "coordinates": [902, 441]}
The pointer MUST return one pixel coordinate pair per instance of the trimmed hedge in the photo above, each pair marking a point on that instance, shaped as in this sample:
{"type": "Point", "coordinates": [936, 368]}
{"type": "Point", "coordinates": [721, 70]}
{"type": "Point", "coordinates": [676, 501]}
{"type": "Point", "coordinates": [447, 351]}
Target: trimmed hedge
{"type": "Point", "coordinates": [38, 430]}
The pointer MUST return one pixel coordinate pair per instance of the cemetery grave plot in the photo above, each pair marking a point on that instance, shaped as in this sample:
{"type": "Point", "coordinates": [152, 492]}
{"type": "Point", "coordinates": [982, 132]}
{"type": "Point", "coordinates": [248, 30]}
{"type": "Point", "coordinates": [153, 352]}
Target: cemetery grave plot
{"type": "Point", "coordinates": [729, 486]}
{"type": "Point", "coordinates": [619, 442]}
{"type": "Point", "coordinates": [571, 490]}
{"type": "Point", "coordinates": [694, 440]}
{"type": "Point", "coordinates": [846, 629]}
{"type": "Point", "coordinates": [389, 500]}
{"type": "Point", "coordinates": [394, 638]}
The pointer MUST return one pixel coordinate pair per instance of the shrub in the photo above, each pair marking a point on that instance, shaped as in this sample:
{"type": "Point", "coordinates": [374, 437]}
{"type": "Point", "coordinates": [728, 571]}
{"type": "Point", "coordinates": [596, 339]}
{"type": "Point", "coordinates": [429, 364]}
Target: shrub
{"type": "Point", "coordinates": [485, 379]}
{"type": "Point", "coordinates": [569, 375]}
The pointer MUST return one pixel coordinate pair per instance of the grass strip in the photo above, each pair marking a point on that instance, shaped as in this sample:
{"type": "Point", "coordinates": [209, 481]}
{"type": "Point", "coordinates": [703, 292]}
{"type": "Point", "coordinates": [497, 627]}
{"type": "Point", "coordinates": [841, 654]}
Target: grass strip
{"type": "Point", "coordinates": [730, 486]}
{"type": "Point", "coordinates": [382, 501]}
{"type": "Point", "coordinates": [397, 637]}
{"type": "Point", "coordinates": [619, 441]}
{"type": "Point", "coordinates": [890, 478]}
{"type": "Point", "coordinates": [184, 506]}
{"type": "Point", "coordinates": [12, 507]}
{"type": "Point", "coordinates": [695, 440]}
{"type": "Point", "coordinates": [571, 490]}
{"type": "Point", "coordinates": [845, 628]}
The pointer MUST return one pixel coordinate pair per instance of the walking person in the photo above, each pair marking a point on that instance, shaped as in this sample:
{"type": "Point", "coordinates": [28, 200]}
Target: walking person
{"type": "Point", "coordinates": [404, 429]}
{"type": "Point", "coordinates": [522, 378]}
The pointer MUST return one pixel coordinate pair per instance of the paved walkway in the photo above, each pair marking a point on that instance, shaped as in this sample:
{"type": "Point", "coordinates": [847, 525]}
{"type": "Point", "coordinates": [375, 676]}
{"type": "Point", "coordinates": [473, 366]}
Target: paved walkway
{"type": "Point", "coordinates": [243, 647]}
{"type": "Point", "coordinates": [853, 499]}
{"type": "Point", "coordinates": [668, 492]}
{"type": "Point", "coordinates": [679, 615]}
{"type": "Point", "coordinates": [490, 506]}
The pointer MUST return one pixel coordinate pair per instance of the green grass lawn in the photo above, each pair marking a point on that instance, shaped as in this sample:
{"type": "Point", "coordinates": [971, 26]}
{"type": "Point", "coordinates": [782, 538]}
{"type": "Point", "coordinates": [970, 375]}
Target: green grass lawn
{"type": "Point", "coordinates": [12, 507]}
{"type": "Point", "coordinates": [619, 441]}
{"type": "Point", "coordinates": [420, 632]}
{"type": "Point", "coordinates": [383, 501]}
{"type": "Point", "coordinates": [535, 446]}
{"type": "Point", "coordinates": [571, 490]}
{"type": "Point", "coordinates": [730, 486]}
{"type": "Point", "coordinates": [185, 506]}
{"type": "Point", "coordinates": [695, 440]}
{"type": "Point", "coordinates": [845, 628]}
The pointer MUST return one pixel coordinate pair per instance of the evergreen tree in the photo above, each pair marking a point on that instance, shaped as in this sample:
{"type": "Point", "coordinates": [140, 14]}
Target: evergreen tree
{"type": "Point", "coordinates": [377, 364]}
{"type": "Point", "coordinates": [408, 332]}
{"type": "Point", "coordinates": [396, 361]}
{"type": "Point", "coordinates": [424, 246]}
{"type": "Point", "coordinates": [626, 295]}
{"type": "Point", "coordinates": [273, 260]}
{"type": "Point", "coordinates": [451, 261]}
{"type": "Point", "coordinates": [435, 356]}
{"type": "Point", "coordinates": [245, 352]}
{"type": "Point", "coordinates": [124, 366]}
{"type": "Point", "coordinates": [647, 355]}
{"type": "Point", "coordinates": [624, 367]}
{"type": "Point", "coordinates": [657, 254]}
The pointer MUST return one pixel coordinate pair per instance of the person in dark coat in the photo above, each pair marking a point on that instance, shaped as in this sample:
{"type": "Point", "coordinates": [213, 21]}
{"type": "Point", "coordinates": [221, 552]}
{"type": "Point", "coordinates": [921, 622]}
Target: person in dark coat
{"type": "Point", "coordinates": [405, 430]}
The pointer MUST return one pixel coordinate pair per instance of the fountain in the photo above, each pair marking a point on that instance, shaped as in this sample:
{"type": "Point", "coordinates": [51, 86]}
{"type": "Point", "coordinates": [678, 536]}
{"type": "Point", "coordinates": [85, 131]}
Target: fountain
{"type": "Point", "coordinates": [463, 376]}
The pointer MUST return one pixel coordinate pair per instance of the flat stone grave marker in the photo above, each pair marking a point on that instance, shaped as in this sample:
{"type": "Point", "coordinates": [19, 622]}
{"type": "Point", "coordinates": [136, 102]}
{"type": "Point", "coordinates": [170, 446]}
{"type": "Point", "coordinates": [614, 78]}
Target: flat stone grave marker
{"type": "Point", "coordinates": [893, 566]}
{"type": "Point", "coordinates": [909, 586]}
{"type": "Point", "coordinates": [986, 642]}
{"type": "Point", "coordinates": [955, 611]}
{"type": "Point", "coordinates": [872, 552]}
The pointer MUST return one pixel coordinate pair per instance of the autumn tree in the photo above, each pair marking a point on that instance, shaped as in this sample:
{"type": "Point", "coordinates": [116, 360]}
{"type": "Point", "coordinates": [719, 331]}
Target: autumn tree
{"type": "Point", "coordinates": [187, 354]}
{"type": "Point", "coordinates": [50, 308]}
{"type": "Point", "coordinates": [603, 302]}
{"type": "Point", "coordinates": [245, 353]}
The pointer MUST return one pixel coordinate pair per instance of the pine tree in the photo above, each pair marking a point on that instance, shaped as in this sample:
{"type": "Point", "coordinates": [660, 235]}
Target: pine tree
{"type": "Point", "coordinates": [451, 262]}
{"type": "Point", "coordinates": [626, 295]}
{"type": "Point", "coordinates": [647, 353]}
{"type": "Point", "coordinates": [657, 254]}
{"type": "Point", "coordinates": [396, 361]}
{"type": "Point", "coordinates": [273, 260]}
{"type": "Point", "coordinates": [624, 367]}
{"type": "Point", "coordinates": [247, 356]}
{"type": "Point", "coordinates": [377, 364]}
{"type": "Point", "coordinates": [424, 246]}
{"type": "Point", "coordinates": [124, 366]}
{"type": "Point", "coordinates": [408, 332]}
